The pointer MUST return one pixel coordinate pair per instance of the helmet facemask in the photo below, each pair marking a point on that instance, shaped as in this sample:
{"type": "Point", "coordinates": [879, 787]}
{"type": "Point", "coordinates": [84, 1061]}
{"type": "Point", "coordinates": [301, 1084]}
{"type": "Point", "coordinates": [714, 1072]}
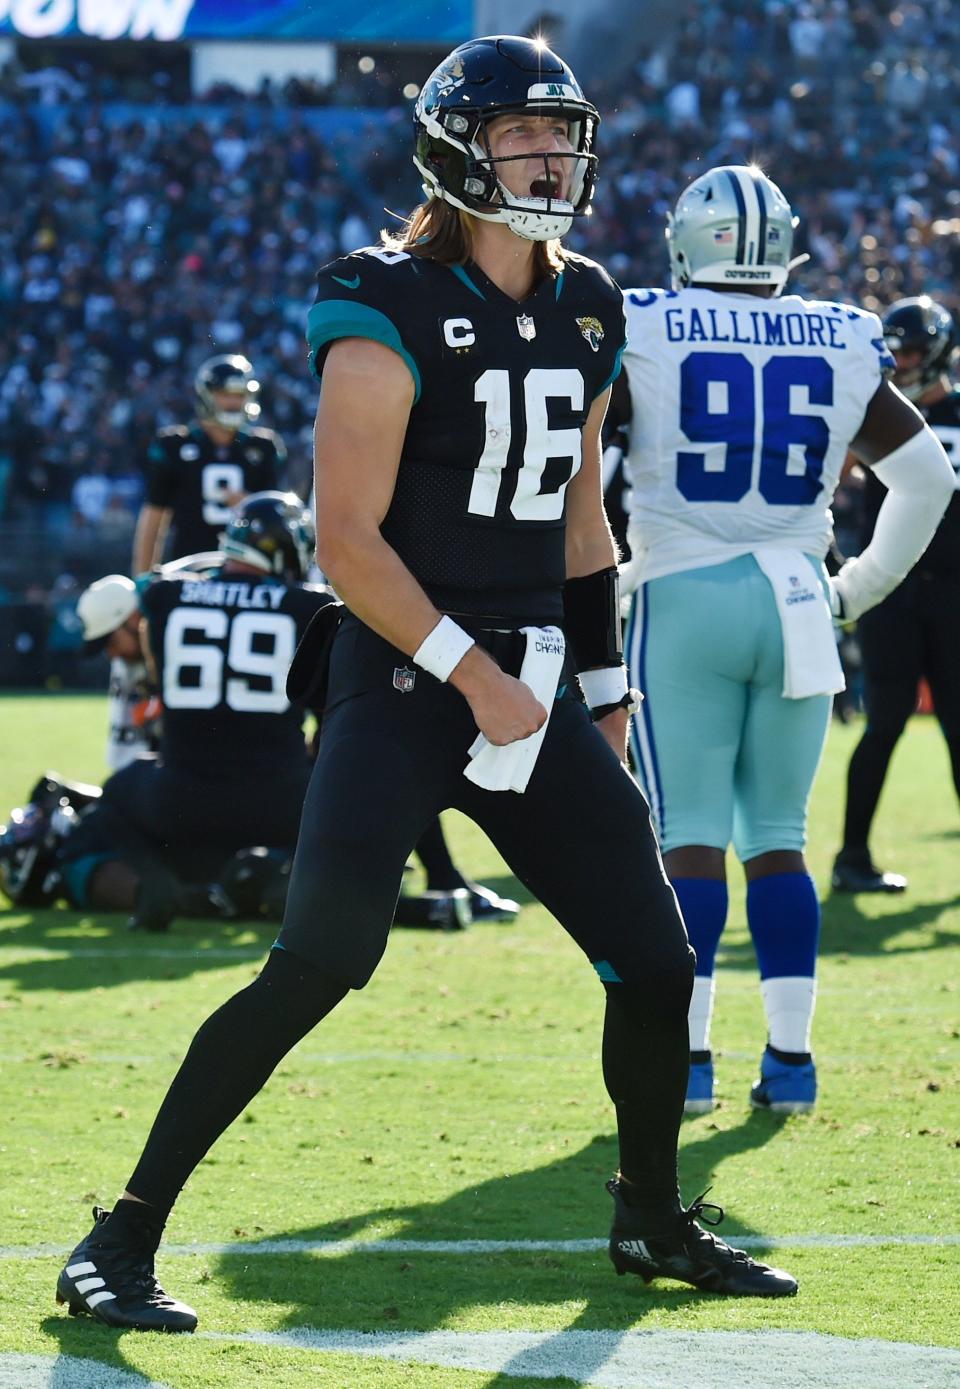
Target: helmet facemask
{"type": "Point", "coordinates": [543, 215]}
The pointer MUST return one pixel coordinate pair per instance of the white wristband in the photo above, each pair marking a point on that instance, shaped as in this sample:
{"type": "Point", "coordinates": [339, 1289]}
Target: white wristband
{"type": "Point", "coordinates": [443, 649]}
{"type": "Point", "coordinates": [603, 686]}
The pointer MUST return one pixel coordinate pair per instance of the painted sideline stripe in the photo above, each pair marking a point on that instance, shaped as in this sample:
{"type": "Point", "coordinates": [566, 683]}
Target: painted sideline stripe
{"type": "Point", "coordinates": [336, 1248]}
{"type": "Point", "coordinates": [188, 953]}
{"type": "Point", "coordinates": [603, 1359]}
{"type": "Point", "coordinates": [490, 1058]}
{"type": "Point", "coordinates": [330, 1058]}
{"type": "Point", "coordinates": [655, 1359]}
{"type": "Point", "coordinates": [66, 1372]}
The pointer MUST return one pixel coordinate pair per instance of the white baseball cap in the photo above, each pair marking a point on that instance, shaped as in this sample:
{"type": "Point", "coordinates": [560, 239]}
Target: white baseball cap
{"type": "Point", "coordinates": [105, 606]}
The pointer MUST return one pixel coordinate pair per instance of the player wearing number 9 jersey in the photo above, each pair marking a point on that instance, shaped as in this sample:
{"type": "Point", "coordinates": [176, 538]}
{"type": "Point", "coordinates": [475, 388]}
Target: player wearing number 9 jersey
{"type": "Point", "coordinates": [465, 371]}
{"type": "Point", "coordinates": [741, 408]}
{"type": "Point", "coordinates": [197, 472]}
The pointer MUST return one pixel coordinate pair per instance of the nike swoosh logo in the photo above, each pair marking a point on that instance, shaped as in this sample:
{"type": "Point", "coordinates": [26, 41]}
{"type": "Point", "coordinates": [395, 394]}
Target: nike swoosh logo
{"type": "Point", "coordinates": [348, 284]}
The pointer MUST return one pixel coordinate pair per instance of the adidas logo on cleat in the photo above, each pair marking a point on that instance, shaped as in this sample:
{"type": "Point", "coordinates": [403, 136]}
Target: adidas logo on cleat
{"type": "Point", "coordinates": [88, 1283]}
{"type": "Point", "coordinates": [636, 1249]}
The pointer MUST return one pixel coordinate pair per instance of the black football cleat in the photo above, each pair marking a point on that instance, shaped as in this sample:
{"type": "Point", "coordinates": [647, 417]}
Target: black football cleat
{"type": "Point", "coordinates": [435, 910]}
{"type": "Point", "coordinates": [691, 1255]}
{"type": "Point", "coordinates": [855, 871]}
{"type": "Point", "coordinates": [487, 905]}
{"type": "Point", "coordinates": [114, 1283]}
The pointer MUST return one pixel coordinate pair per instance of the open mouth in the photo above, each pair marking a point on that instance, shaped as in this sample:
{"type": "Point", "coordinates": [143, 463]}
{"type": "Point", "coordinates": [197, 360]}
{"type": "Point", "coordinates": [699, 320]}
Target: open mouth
{"type": "Point", "coordinates": [549, 185]}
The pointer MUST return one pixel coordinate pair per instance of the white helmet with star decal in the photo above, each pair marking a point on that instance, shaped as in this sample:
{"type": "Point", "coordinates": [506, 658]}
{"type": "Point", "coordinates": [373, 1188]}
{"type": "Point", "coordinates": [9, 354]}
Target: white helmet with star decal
{"type": "Point", "coordinates": [732, 226]}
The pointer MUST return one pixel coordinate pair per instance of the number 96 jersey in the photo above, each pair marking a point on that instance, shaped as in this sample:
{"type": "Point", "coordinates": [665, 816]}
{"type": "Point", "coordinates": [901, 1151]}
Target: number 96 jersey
{"type": "Point", "coordinates": [742, 411]}
{"type": "Point", "coordinates": [502, 392]}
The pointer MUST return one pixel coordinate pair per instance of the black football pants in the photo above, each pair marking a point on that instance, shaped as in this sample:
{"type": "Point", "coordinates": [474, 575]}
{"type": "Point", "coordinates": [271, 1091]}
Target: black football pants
{"type": "Point", "coordinates": [178, 807]}
{"type": "Point", "coordinates": [391, 758]}
{"type": "Point", "coordinates": [913, 633]}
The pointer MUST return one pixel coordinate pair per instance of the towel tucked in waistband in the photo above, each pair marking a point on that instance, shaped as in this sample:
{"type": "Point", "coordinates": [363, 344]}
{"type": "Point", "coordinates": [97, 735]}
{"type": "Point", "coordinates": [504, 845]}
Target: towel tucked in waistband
{"type": "Point", "coordinates": [509, 768]}
{"type": "Point", "coordinates": [811, 664]}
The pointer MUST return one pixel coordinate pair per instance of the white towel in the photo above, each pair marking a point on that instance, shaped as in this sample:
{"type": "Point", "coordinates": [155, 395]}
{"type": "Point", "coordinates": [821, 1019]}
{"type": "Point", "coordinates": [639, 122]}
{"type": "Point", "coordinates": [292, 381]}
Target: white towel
{"type": "Point", "coordinates": [509, 768]}
{"type": "Point", "coordinates": [811, 664]}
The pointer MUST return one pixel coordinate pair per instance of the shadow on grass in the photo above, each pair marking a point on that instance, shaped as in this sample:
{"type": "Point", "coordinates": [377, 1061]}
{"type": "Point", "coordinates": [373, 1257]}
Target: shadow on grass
{"type": "Point", "coordinates": [367, 1291]}
{"type": "Point", "coordinates": [86, 1341]}
{"type": "Point", "coordinates": [848, 929]}
{"type": "Point", "coordinates": [101, 953]}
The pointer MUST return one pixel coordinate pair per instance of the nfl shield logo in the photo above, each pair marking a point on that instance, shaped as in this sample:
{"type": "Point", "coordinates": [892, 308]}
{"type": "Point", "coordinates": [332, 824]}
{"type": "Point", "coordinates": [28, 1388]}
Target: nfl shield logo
{"type": "Point", "coordinates": [526, 327]}
{"type": "Point", "coordinates": [404, 679]}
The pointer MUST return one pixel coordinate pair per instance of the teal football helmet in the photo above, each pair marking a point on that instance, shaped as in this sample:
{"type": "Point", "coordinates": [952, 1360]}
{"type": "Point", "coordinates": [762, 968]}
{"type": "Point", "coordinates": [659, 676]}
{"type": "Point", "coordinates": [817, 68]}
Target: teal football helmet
{"type": "Point", "coordinates": [732, 226]}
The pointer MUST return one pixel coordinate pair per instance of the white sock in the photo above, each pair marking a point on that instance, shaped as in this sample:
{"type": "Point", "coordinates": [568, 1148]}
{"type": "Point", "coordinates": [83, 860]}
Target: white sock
{"type": "Point", "coordinates": [789, 1004]}
{"type": "Point", "coordinates": [701, 1012]}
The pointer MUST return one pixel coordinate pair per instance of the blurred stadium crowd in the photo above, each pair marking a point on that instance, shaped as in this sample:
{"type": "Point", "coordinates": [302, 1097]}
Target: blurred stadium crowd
{"type": "Point", "coordinates": [139, 236]}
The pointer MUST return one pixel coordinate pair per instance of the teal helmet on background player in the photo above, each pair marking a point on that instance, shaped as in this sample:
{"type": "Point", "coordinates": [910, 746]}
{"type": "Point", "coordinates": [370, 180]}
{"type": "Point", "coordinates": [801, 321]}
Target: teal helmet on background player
{"type": "Point", "coordinates": [499, 76]}
{"type": "Point", "coordinates": [273, 532]}
{"type": "Point", "coordinates": [732, 226]}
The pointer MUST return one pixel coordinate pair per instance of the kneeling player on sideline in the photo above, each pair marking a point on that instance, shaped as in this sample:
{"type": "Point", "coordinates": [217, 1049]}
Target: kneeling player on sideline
{"type": "Point", "coordinates": [742, 407]}
{"type": "Point", "coordinates": [69, 843]}
{"type": "Point", "coordinates": [233, 766]}
{"type": "Point", "coordinates": [435, 503]}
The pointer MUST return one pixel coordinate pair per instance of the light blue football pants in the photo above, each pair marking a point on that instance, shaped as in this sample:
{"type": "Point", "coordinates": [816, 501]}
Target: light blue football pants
{"type": "Point", "coordinates": [720, 753]}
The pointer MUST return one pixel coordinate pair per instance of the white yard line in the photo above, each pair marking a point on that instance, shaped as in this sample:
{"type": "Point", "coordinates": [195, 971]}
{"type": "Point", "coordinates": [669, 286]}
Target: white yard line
{"type": "Point", "coordinates": [601, 1359]}
{"type": "Point", "coordinates": [66, 1372]}
{"type": "Point", "coordinates": [653, 1359]}
{"type": "Point", "coordinates": [400, 1055]}
{"type": "Point", "coordinates": [339, 1248]}
{"type": "Point", "coordinates": [188, 954]}
{"type": "Point", "coordinates": [324, 1058]}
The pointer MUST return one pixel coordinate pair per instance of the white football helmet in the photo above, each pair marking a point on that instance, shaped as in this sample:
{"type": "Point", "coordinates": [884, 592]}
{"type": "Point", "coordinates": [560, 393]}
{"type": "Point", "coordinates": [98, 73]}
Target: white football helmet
{"type": "Point", "coordinates": [732, 226]}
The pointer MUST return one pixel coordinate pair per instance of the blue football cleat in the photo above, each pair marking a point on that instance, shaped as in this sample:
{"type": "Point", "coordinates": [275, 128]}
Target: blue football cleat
{"type": "Point", "coordinates": [784, 1089]}
{"type": "Point", "coordinates": [699, 1088]}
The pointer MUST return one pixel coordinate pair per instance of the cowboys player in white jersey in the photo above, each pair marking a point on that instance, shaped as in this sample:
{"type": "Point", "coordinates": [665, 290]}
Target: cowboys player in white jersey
{"type": "Point", "coordinates": [742, 406]}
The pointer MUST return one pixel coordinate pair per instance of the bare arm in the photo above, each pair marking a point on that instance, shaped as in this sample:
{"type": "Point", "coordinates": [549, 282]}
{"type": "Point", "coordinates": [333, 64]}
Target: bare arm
{"type": "Point", "coordinates": [149, 660]}
{"type": "Point", "coordinates": [889, 422]}
{"type": "Point", "coordinates": [152, 525]}
{"type": "Point", "coordinates": [590, 545]}
{"type": "Point", "coordinates": [365, 402]}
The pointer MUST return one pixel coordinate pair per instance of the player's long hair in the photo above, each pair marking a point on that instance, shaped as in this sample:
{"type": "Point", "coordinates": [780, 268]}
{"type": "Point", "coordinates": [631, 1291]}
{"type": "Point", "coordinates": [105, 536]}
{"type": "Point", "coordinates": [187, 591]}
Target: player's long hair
{"type": "Point", "coordinates": [436, 230]}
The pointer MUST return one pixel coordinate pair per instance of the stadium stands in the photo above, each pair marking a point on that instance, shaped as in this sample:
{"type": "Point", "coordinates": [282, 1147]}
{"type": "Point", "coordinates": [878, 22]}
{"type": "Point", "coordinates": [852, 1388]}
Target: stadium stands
{"type": "Point", "coordinates": [137, 238]}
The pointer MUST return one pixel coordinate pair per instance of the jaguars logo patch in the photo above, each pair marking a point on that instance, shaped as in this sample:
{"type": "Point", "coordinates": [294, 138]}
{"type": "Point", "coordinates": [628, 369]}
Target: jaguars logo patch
{"type": "Point", "coordinates": [592, 330]}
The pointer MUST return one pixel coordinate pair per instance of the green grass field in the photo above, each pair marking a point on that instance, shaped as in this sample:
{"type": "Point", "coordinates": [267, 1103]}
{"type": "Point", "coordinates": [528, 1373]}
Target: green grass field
{"type": "Point", "coordinates": [459, 1098]}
